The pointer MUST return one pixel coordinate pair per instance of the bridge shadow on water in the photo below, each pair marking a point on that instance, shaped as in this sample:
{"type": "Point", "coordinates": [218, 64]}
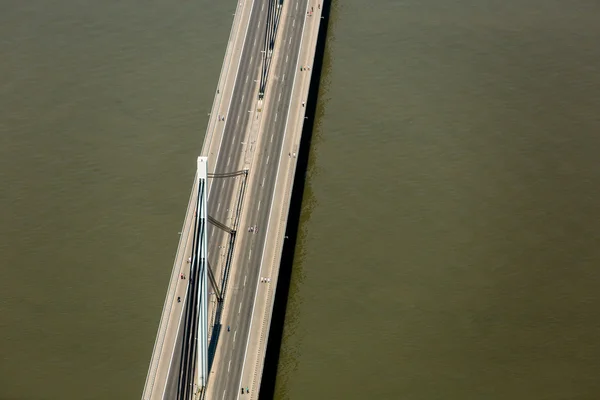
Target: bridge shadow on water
{"type": "Point", "coordinates": [267, 387]}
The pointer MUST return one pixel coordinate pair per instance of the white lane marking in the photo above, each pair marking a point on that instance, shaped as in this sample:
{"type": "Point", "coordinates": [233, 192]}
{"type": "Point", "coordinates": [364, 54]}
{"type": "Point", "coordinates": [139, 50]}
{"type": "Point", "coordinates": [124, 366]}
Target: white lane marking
{"type": "Point", "coordinates": [246, 79]}
{"type": "Point", "coordinates": [223, 394]}
{"type": "Point", "coordinates": [279, 97]}
{"type": "Point", "coordinates": [268, 159]}
{"type": "Point", "coordinates": [245, 280]}
{"type": "Point", "coordinates": [238, 119]}
{"type": "Point", "coordinates": [263, 7]}
{"type": "Point", "coordinates": [251, 58]}
{"type": "Point", "coordinates": [243, 97]}
{"type": "Point", "coordinates": [240, 309]}
{"type": "Point", "coordinates": [263, 184]}
{"type": "Point", "coordinates": [258, 209]}
{"type": "Point", "coordinates": [228, 160]}
{"type": "Point", "coordinates": [218, 208]}
{"type": "Point", "coordinates": [249, 254]}
{"type": "Point", "coordinates": [228, 108]}
{"type": "Point", "coordinates": [234, 136]}
{"type": "Point", "coordinates": [212, 234]}
{"type": "Point", "coordinates": [234, 333]}
{"type": "Point", "coordinates": [254, 45]}
{"type": "Point", "coordinates": [229, 366]}
{"type": "Point", "coordinates": [271, 205]}
{"type": "Point", "coordinates": [223, 185]}
{"type": "Point", "coordinates": [294, 23]}
{"type": "Point", "coordinates": [275, 117]}
{"type": "Point", "coordinates": [296, 5]}
{"type": "Point", "coordinates": [286, 58]}
{"type": "Point", "coordinates": [290, 42]}
{"type": "Point", "coordinates": [283, 79]}
{"type": "Point", "coordinates": [271, 138]}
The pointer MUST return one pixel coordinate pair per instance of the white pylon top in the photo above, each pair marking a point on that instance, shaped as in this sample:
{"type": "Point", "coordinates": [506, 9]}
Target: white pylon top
{"type": "Point", "coordinates": [202, 169]}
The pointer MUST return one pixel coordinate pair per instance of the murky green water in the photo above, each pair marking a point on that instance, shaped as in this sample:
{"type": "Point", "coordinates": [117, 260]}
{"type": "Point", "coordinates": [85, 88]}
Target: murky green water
{"type": "Point", "coordinates": [449, 245]}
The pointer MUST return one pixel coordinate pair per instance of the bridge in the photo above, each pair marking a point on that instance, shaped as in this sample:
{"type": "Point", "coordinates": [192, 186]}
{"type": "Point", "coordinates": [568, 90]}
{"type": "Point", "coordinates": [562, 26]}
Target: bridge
{"type": "Point", "coordinates": [213, 332]}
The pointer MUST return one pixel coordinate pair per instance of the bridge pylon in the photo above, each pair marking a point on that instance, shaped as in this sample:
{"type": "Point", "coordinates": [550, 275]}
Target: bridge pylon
{"type": "Point", "coordinates": [202, 299]}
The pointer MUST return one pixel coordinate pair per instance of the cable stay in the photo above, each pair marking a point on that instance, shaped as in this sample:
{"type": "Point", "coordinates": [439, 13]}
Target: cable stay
{"type": "Point", "coordinates": [221, 225]}
{"type": "Point", "coordinates": [229, 174]}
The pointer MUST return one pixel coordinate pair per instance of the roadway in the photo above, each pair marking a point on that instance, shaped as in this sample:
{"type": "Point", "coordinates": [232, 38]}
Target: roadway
{"type": "Point", "coordinates": [249, 139]}
{"type": "Point", "coordinates": [225, 380]}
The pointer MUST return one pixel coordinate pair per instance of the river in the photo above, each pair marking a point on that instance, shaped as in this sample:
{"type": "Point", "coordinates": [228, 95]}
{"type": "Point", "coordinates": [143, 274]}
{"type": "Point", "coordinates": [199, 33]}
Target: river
{"type": "Point", "coordinates": [448, 241]}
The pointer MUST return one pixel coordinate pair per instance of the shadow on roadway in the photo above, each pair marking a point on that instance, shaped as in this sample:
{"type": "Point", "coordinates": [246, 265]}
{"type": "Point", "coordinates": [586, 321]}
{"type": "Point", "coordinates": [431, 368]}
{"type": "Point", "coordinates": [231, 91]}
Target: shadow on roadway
{"type": "Point", "coordinates": [214, 338]}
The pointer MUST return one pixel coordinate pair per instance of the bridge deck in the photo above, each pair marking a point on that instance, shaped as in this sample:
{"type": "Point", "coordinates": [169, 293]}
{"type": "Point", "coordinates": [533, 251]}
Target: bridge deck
{"type": "Point", "coordinates": [263, 137]}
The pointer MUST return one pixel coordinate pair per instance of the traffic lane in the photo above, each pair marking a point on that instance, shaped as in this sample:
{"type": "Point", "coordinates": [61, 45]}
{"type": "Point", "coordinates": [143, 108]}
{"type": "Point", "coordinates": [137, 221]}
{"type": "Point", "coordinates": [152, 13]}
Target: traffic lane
{"type": "Point", "coordinates": [269, 171]}
{"type": "Point", "coordinates": [238, 121]}
{"type": "Point", "coordinates": [234, 109]}
{"type": "Point", "coordinates": [223, 191]}
{"type": "Point", "coordinates": [230, 188]}
{"type": "Point", "coordinates": [233, 146]}
{"type": "Point", "coordinates": [242, 86]}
